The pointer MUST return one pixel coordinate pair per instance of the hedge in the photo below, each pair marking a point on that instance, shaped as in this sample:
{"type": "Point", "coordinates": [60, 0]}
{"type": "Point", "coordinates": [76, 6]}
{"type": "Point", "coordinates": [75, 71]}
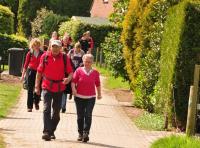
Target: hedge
{"type": "Point", "coordinates": [13, 5]}
{"type": "Point", "coordinates": [77, 28]}
{"type": "Point", "coordinates": [28, 9]}
{"type": "Point", "coordinates": [6, 20]}
{"type": "Point", "coordinates": [46, 22]}
{"type": "Point", "coordinates": [161, 41]}
{"type": "Point", "coordinates": [112, 50]}
{"type": "Point", "coordinates": [11, 41]}
{"type": "Point", "coordinates": [179, 48]}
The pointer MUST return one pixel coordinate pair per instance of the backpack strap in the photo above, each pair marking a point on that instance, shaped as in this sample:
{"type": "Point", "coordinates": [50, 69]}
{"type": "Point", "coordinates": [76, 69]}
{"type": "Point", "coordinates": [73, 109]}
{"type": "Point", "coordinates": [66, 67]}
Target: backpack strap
{"type": "Point", "coordinates": [45, 60]}
{"type": "Point", "coordinates": [65, 63]}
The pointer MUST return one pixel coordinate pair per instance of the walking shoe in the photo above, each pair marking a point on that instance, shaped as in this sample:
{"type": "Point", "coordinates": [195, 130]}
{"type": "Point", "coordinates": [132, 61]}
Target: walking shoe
{"type": "Point", "coordinates": [63, 110]}
{"type": "Point", "coordinates": [53, 136]}
{"type": "Point", "coordinates": [29, 110]}
{"type": "Point", "coordinates": [85, 137]}
{"type": "Point", "coordinates": [80, 137]}
{"type": "Point", "coordinates": [46, 137]}
{"type": "Point", "coordinates": [37, 106]}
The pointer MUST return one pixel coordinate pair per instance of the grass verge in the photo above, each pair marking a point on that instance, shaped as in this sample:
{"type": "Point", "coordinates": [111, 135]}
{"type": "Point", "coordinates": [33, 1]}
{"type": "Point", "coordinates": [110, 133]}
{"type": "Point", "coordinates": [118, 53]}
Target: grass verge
{"type": "Point", "coordinates": [149, 121]}
{"type": "Point", "coordinates": [176, 142]}
{"type": "Point", "coordinates": [112, 82]}
{"type": "Point", "coordinates": [8, 97]}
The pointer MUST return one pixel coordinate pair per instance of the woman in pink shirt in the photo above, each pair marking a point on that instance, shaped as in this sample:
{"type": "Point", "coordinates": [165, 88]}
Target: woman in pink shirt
{"type": "Point", "coordinates": [84, 82]}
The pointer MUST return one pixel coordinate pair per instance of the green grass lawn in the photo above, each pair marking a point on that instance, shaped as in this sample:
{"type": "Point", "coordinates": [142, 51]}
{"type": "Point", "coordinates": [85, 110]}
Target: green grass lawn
{"type": "Point", "coordinates": [8, 97]}
{"type": "Point", "coordinates": [149, 121]}
{"type": "Point", "coordinates": [6, 67]}
{"type": "Point", "coordinates": [112, 82]}
{"type": "Point", "coordinates": [177, 142]}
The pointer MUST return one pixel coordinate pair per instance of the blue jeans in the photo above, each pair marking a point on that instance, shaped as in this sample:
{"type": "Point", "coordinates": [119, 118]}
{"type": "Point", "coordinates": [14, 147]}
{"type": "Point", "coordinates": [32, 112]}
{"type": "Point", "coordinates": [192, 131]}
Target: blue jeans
{"type": "Point", "coordinates": [51, 120]}
{"type": "Point", "coordinates": [84, 109]}
{"type": "Point", "coordinates": [64, 101]}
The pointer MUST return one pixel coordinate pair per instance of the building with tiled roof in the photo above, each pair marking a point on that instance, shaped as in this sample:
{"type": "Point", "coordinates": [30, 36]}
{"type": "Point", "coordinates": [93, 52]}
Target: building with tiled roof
{"type": "Point", "coordinates": [102, 8]}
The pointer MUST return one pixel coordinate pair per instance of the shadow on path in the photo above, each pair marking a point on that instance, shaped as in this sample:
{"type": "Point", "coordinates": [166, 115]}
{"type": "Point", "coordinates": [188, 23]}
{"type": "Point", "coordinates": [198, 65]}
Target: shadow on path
{"type": "Point", "coordinates": [93, 144]}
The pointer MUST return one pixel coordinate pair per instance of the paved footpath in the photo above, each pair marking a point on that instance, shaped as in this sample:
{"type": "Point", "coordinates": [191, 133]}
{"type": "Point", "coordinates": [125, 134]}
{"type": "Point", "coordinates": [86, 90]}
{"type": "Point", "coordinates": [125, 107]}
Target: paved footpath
{"type": "Point", "coordinates": [111, 128]}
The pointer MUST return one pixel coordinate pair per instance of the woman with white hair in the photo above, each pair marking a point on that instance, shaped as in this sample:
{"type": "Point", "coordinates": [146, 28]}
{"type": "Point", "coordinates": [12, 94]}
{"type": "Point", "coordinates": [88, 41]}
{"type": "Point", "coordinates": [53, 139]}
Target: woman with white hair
{"type": "Point", "coordinates": [84, 82]}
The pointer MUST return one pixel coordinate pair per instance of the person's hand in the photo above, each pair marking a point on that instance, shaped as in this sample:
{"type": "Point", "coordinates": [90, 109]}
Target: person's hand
{"type": "Point", "coordinates": [99, 97]}
{"type": "Point", "coordinates": [74, 92]}
{"type": "Point", "coordinates": [21, 79]}
{"type": "Point", "coordinates": [37, 90]}
{"type": "Point", "coordinates": [66, 81]}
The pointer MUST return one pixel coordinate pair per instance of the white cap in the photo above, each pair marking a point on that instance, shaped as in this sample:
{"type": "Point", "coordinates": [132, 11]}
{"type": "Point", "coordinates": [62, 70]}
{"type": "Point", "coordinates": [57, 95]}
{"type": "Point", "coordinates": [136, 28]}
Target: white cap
{"type": "Point", "coordinates": [56, 42]}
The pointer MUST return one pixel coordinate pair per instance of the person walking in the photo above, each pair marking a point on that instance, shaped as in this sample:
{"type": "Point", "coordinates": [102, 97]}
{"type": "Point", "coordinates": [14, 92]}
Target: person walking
{"type": "Point", "coordinates": [54, 36]}
{"type": "Point", "coordinates": [90, 42]}
{"type": "Point", "coordinates": [66, 43]}
{"type": "Point", "coordinates": [53, 68]}
{"type": "Point", "coordinates": [66, 47]}
{"type": "Point", "coordinates": [84, 81]}
{"type": "Point", "coordinates": [84, 43]}
{"type": "Point", "coordinates": [75, 56]}
{"type": "Point", "coordinates": [29, 73]}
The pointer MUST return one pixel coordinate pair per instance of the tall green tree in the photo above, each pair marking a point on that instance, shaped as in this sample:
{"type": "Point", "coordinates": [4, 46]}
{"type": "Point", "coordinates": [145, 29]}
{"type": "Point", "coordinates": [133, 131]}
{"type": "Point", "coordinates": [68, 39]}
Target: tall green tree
{"type": "Point", "coordinates": [13, 5]}
{"type": "Point", "coordinates": [28, 9]}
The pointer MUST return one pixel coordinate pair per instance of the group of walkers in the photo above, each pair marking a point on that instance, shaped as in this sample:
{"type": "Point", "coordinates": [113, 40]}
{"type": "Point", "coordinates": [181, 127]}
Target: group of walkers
{"type": "Point", "coordinates": [61, 70]}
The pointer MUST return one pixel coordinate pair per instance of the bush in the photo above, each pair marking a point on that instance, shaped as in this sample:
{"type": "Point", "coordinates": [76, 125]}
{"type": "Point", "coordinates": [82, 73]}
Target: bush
{"type": "Point", "coordinates": [28, 9]}
{"type": "Point", "coordinates": [13, 5]}
{"type": "Point", "coordinates": [51, 23]}
{"type": "Point", "coordinates": [10, 41]}
{"type": "Point", "coordinates": [46, 22]}
{"type": "Point", "coordinates": [178, 58]}
{"type": "Point", "coordinates": [26, 13]}
{"type": "Point", "coordinates": [112, 49]}
{"type": "Point", "coordinates": [6, 20]}
{"type": "Point", "coordinates": [77, 28]}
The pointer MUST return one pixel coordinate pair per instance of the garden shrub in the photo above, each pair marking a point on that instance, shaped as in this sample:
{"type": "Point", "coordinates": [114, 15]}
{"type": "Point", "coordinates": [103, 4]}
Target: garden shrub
{"type": "Point", "coordinates": [13, 5]}
{"type": "Point", "coordinates": [77, 28]}
{"type": "Point", "coordinates": [6, 20]}
{"type": "Point", "coordinates": [28, 10]}
{"type": "Point", "coordinates": [11, 41]}
{"type": "Point", "coordinates": [46, 22]}
{"type": "Point", "coordinates": [112, 46]}
{"type": "Point", "coordinates": [112, 49]}
{"type": "Point", "coordinates": [179, 47]}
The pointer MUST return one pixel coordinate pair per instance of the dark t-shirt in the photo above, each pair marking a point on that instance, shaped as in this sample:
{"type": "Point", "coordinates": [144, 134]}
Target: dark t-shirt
{"type": "Point", "coordinates": [84, 45]}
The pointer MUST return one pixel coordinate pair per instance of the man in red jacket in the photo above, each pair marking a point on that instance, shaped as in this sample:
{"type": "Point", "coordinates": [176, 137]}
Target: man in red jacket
{"type": "Point", "coordinates": [53, 70]}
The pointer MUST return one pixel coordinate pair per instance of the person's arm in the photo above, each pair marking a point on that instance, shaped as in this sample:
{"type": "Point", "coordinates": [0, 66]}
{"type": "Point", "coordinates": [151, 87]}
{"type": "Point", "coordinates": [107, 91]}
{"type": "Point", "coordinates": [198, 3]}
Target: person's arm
{"type": "Point", "coordinates": [68, 79]}
{"type": "Point", "coordinates": [37, 83]}
{"type": "Point", "coordinates": [98, 85]}
{"type": "Point", "coordinates": [99, 92]}
{"type": "Point", "coordinates": [27, 60]}
{"type": "Point", "coordinates": [74, 91]}
{"type": "Point", "coordinates": [69, 71]}
{"type": "Point", "coordinates": [23, 74]}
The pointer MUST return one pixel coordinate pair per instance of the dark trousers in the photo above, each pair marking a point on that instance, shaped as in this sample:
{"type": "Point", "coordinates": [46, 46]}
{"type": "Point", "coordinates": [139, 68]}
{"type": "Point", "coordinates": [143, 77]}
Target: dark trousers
{"type": "Point", "coordinates": [84, 109]}
{"type": "Point", "coordinates": [51, 120]}
{"type": "Point", "coordinates": [31, 75]}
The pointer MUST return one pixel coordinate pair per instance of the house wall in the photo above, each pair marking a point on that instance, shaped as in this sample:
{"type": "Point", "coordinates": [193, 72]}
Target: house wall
{"type": "Point", "coordinates": [101, 9]}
